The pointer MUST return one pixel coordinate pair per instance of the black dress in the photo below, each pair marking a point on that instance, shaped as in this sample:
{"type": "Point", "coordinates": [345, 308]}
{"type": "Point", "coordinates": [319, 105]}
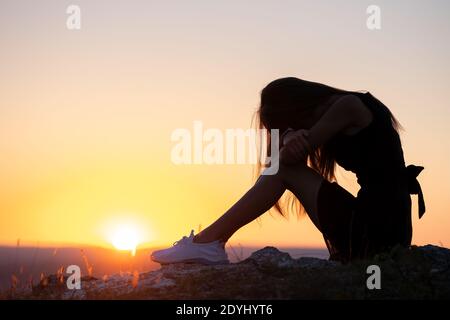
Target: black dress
{"type": "Point", "coordinates": [380, 216]}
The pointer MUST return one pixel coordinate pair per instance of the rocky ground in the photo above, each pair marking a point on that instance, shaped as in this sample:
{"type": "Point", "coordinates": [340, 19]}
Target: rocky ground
{"type": "Point", "coordinates": [415, 273]}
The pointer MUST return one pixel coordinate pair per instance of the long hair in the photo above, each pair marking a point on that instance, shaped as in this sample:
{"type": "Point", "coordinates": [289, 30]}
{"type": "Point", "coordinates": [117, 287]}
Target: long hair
{"type": "Point", "coordinates": [283, 103]}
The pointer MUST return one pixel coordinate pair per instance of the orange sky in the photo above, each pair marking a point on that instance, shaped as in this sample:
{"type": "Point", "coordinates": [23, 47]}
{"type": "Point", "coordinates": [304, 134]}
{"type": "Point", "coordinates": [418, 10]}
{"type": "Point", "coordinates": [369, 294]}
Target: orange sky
{"type": "Point", "coordinates": [86, 116]}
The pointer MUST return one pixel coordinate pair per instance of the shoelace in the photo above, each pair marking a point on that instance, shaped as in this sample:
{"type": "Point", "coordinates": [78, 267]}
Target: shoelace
{"type": "Point", "coordinates": [184, 240]}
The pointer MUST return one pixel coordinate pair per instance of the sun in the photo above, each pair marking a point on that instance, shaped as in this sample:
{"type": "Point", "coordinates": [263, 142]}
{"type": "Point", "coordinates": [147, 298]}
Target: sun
{"type": "Point", "coordinates": [126, 238]}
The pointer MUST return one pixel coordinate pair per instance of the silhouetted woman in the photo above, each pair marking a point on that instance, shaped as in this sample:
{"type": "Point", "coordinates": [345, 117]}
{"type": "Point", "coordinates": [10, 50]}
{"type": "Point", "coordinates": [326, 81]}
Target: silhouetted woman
{"type": "Point", "coordinates": [326, 126]}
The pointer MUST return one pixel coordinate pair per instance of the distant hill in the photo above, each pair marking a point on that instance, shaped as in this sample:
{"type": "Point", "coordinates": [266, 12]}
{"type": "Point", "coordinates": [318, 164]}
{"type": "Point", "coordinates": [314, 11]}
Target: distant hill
{"type": "Point", "coordinates": [26, 262]}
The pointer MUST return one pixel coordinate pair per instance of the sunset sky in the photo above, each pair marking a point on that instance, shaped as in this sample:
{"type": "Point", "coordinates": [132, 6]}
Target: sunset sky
{"type": "Point", "coordinates": [86, 115]}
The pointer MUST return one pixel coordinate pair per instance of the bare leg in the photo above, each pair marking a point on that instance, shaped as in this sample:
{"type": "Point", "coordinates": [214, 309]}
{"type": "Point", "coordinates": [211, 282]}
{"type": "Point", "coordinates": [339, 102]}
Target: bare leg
{"type": "Point", "coordinates": [303, 181]}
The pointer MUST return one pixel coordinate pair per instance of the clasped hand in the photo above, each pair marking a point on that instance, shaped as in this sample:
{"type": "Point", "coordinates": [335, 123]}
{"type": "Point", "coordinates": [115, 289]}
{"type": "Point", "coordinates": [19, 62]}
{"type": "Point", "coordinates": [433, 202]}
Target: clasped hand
{"type": "Point", "coordinates": [295, 147]}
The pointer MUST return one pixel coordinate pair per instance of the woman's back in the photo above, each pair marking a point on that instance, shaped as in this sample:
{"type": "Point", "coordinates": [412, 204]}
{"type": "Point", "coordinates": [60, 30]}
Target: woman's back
{"type": "Point", "coordinates": [382, 215]}
{"type": "Point", "coordinates": [375, 153]}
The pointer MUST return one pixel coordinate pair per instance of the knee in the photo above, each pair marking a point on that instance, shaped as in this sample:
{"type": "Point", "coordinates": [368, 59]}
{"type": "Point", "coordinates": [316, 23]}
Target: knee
{"type": "Point", "coordinates": [289, 172]}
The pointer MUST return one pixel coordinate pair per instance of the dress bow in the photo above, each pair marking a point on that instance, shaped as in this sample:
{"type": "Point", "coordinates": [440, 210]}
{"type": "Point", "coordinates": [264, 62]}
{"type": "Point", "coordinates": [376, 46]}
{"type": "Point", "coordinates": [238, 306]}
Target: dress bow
{"type": "Point", "coordinates": [412, 172]}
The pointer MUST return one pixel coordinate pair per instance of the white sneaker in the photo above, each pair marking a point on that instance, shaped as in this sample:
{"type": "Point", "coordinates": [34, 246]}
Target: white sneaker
{"type": "Point", "coordinates": [187, 251]}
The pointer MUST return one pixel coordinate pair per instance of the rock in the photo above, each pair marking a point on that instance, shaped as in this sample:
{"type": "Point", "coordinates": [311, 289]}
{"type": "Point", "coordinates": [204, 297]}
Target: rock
{"type": "Point", "coordinates": [270, 256]}
{"type": "Point", "coordinates": [414, 273]}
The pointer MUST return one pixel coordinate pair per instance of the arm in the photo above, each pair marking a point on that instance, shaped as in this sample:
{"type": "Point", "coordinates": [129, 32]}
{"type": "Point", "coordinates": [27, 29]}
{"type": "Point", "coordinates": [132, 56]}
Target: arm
{"type": "Point", "coordinates": [347, 112]}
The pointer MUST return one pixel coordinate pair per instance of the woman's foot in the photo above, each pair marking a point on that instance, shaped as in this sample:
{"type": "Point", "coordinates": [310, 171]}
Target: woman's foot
{"type": "Point", "coordinates": [186, 250]}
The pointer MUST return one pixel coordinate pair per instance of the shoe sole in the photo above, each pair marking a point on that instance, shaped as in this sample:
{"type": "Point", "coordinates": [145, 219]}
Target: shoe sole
{"type": "Point", "coordinates": [196, 261]}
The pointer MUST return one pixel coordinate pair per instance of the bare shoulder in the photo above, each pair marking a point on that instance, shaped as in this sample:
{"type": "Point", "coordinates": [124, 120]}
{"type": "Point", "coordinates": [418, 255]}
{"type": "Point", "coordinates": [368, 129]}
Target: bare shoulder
{"type": "Point", "coordinates": [348, 102]}
{"type": "Point", "coordinates": [350, 105]}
